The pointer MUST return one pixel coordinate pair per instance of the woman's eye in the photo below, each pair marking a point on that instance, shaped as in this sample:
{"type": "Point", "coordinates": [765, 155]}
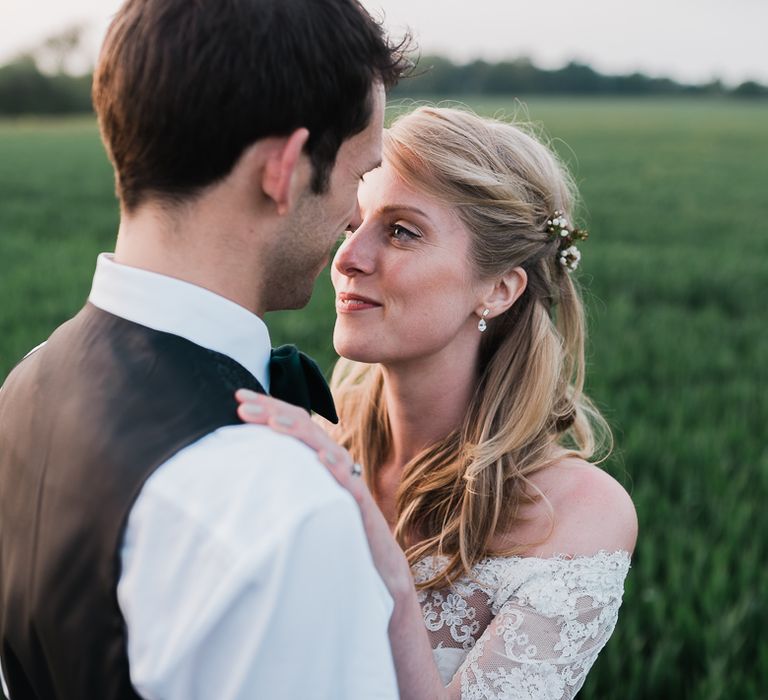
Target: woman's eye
{"type": "Point", "coordinates": [401, 233]}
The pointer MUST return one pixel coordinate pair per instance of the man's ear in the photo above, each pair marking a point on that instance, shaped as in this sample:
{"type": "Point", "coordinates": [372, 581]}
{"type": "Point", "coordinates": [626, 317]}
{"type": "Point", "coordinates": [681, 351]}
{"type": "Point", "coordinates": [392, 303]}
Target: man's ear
{"type": "Point", "coordinates": [280, 166]}
{"type": "Point", "coordinates": [504, 292]}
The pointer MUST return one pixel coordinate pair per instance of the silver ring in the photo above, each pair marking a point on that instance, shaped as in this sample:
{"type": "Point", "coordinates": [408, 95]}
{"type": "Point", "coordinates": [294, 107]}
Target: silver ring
{"type": "Point", "coordinates": [356, 469]}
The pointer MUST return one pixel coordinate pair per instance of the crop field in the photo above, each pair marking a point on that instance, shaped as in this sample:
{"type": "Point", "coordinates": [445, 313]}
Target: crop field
{"type": "Point", "coordinates": [676, 279]}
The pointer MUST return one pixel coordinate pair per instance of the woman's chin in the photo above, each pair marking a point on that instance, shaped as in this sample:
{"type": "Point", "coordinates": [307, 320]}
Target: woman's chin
{"type": "Point", "coordinates": [357, 355]}
{"type": "Point", "coordinates": [356, 351]}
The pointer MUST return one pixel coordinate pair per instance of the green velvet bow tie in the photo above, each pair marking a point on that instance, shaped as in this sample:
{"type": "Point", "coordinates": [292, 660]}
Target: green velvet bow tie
{"type": "Point", "coordinates": [295, 377]}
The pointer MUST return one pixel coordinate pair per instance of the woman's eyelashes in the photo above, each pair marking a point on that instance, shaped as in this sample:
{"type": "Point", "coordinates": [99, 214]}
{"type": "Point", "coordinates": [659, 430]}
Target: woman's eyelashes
{"type": "Point", "coordinates": [401, 233]}
{"type": "Point", "coordinates": [397, 232]}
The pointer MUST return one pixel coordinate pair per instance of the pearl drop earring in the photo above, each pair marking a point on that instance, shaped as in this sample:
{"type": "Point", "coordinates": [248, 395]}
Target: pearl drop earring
{"type": "Point", "coordinates": [482, 325]}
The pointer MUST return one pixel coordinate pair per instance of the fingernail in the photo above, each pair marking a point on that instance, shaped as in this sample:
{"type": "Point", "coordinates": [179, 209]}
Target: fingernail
{"type": "Point", "coordinates": [252, 409]}
{"type": "Point", "coordinates": [330, 458]}
{"type": "Point", "coordinates": [244, 394]}
{"type": "Point", "coordinates": [284, 421]}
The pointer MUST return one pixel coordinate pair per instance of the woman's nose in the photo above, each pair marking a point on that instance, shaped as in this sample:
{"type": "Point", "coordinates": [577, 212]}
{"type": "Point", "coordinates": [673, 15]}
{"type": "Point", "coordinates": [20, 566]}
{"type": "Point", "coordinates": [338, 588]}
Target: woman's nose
{"type": "Point", "coordinates": [357, 254]}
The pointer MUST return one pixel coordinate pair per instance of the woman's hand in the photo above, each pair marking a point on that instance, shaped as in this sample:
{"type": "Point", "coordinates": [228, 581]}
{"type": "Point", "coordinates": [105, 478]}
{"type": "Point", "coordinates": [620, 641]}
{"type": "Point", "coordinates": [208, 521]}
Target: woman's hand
{"type": "Point", "coordinates": [291, 420]}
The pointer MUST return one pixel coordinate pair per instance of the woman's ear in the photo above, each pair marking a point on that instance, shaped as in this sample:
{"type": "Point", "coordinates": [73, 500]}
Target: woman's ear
{"type": "Point", "coordinates": [280, 166]}
{"type": "Point", "coordinates": [506, 290]}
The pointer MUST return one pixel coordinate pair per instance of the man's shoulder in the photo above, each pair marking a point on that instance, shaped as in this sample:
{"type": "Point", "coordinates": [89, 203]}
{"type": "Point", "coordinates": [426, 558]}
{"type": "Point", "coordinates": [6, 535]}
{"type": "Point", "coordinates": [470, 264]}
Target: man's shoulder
{"type": "Point", "coordinates": [17, 368]}
{"type": "Point", "coordinates": [259, 450]}
{"type": "Point", "coordinates": [249, 475]}
{"type": "Point", "coordinates": [34, 350]}
{"type": "Point", "coordinates": [22, 373]}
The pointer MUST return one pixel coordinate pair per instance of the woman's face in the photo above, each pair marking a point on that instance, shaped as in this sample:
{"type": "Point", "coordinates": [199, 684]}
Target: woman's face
{"type": "Point", "coordinates": [405, 286]}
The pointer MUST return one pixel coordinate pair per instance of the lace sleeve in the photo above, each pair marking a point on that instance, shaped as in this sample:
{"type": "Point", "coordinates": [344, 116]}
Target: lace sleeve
{"type": "Point", "coordinates": [547, 633]}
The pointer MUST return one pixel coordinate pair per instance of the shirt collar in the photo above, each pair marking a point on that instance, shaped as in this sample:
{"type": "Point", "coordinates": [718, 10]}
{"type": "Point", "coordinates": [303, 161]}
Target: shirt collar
{"type": "Point", "coordinates": [173, 306]}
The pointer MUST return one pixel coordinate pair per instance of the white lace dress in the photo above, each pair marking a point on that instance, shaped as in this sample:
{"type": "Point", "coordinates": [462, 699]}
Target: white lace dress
{"type": "Point", "coordinates": [523, 628]}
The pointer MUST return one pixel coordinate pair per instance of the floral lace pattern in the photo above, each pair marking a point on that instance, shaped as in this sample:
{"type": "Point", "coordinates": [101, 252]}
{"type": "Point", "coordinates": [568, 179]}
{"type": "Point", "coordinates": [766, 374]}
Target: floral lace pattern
{"type": "Point", "coordinates": [523, 627]}
{"type": "Point", "coordinates": [456, 614]}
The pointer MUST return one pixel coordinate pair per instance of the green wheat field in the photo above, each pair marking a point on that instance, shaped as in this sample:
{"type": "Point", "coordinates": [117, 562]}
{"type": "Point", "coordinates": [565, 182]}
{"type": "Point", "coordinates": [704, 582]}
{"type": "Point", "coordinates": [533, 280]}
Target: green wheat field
{"type": "Point", "coordinates": [676, 279]}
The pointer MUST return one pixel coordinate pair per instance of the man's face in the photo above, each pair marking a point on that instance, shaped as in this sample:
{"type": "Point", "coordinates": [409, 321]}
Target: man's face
{"type": "Point", "coordinates": [318, 221]}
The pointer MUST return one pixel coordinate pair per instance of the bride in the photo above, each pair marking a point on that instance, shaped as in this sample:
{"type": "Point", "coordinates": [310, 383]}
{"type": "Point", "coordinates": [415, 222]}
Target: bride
{"type": "Point", "coordinates": [460, 394]}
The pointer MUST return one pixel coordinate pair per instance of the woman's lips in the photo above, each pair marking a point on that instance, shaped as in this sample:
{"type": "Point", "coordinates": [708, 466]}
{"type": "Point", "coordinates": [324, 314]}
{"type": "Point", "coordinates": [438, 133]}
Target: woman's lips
{"type": "Point", "coordinates": [354, 302]}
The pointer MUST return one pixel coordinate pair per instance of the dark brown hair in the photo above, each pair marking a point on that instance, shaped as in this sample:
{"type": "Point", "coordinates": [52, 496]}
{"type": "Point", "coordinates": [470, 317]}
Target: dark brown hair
{"type": "Point", "coordinates": [182, 87]}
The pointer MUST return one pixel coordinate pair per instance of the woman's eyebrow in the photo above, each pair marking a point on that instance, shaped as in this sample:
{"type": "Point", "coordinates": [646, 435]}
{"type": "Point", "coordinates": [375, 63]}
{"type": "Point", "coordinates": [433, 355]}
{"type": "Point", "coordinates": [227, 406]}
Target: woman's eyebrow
{"type": "Point", "coordinates": [402, 207]}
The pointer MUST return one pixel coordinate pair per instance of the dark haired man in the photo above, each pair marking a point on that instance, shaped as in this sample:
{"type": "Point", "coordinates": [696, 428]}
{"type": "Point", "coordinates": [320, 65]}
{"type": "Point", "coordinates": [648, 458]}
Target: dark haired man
{"type": "Point", "coordinates": [150, 544]}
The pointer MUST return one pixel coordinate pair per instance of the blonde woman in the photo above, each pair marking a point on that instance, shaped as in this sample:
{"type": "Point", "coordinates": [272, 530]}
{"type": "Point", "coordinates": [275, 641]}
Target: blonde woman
{"type": "Point", "coordinates": [460, 393]}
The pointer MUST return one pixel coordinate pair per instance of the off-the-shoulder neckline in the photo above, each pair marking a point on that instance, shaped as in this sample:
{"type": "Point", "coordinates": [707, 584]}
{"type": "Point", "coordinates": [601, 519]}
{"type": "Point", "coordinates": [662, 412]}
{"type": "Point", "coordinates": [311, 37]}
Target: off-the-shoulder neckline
{"type": "Point", "coordinates": [622, 556]}
{"type": "Point", "coordinates": [564, 557]}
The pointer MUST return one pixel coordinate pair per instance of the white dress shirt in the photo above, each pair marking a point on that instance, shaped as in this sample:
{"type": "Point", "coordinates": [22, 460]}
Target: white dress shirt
{"type": "Point", "coordinates": [245, 569]}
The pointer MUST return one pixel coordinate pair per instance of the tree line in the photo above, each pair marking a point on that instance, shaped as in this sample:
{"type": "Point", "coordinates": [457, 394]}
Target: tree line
{"type": "Point", "coordinates": [26, 88]}
{"type": "Point", "coordinates": [436, 75]}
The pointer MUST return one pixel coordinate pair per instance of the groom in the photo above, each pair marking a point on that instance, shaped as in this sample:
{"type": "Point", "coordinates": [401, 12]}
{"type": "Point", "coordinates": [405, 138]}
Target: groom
{"type": "Point", "coordinates": [150, 544]}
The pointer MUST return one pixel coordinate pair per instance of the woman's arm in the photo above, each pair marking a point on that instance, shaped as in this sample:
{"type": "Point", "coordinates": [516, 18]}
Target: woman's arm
{"type": "Point", "coordinates": [417, 674]}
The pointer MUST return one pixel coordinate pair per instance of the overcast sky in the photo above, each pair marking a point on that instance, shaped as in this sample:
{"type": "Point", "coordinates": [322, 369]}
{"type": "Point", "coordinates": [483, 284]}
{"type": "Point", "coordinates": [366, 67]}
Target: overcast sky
{"type": "Point", "coordinates": [690, 40]}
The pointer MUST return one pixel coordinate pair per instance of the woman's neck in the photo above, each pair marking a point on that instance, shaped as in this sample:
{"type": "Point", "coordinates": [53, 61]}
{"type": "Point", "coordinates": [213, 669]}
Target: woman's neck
{"type": "Point", "coordinates": [426, 400]}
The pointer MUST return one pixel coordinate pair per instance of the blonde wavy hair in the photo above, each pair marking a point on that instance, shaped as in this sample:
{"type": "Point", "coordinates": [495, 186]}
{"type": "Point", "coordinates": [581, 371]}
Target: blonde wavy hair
{"type": "Point", "coordinates": [459, 493]}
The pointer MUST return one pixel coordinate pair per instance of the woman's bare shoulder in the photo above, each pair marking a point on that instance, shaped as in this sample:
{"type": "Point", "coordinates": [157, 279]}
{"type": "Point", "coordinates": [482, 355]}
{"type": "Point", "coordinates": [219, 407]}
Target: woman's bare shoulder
{"type": "Point", "coordinates": [592, 510]}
